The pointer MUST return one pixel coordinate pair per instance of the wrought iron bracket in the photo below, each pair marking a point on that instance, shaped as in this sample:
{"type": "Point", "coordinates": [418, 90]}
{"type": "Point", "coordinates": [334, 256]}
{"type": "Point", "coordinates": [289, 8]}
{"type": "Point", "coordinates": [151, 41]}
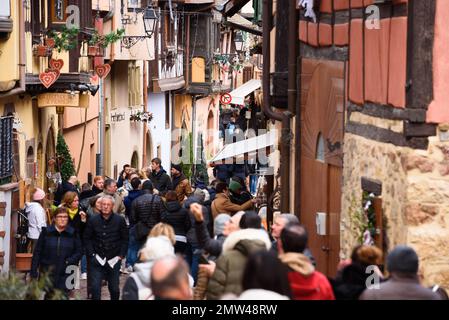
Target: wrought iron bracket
{"type": "Point", "coordinates": [129, 41]}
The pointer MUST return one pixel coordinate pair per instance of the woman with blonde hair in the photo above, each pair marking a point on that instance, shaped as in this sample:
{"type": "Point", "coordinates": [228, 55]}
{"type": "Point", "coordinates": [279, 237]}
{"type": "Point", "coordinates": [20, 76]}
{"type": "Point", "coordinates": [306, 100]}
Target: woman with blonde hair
{"type": "Point", "coordinates": [163, 229]}
{"type": "Point", "coordinates": [77, 220]}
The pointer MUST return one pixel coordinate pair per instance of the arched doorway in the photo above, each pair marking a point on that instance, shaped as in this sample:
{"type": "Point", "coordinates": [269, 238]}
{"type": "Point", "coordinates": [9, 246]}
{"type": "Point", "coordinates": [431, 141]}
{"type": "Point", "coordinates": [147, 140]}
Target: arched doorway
{"type": "Point", "coordinates": [135, 160]}
{"type": "Point", "coordinates": [149, 148]}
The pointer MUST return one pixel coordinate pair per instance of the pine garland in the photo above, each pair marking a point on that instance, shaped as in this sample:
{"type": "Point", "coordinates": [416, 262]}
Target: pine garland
{"type": "Point", "coordinates": [65, 159]}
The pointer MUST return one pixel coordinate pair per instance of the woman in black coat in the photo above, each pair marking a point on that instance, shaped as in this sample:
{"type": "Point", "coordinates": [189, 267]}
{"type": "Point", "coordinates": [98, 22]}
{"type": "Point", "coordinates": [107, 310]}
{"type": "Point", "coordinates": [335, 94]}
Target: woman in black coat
{"type": "Point", "coordinates": [178, 217]}
{"type": "Point", "coordinates": [59, 246]}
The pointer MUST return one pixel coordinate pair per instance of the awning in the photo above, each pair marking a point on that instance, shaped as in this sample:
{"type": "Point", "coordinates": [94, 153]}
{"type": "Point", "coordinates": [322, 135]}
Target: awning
{"type": "Point", "coordinates": [247, 146]}
{"type": "Point", "coordinates": [238, 95]}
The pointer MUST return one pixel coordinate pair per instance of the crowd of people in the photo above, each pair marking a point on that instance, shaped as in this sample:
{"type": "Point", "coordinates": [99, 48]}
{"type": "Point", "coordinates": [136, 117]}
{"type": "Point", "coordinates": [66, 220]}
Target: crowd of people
{"type": "Point", "coordinates": [203, 242]}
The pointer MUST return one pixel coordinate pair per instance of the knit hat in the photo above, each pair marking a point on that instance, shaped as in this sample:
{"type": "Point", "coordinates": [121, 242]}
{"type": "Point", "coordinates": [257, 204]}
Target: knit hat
{"type": "Point", "coordinates": [38, 195]}
{"type": "Point", "coordinates": [200, 195]}
{"type": "Point", "coordinates": [234, 186]}
{"type": "Point", "coordinates": [177, 167]}
{"type": "Point", "coordinates": [219, 223]}
{"type": "Point", "coordinates": [403, 259]}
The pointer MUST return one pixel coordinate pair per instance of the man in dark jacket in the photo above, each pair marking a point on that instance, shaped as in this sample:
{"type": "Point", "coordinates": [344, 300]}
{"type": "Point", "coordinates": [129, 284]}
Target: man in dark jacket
{"type": "Point", "coordinates": [159, 177]}
{"type": "Point", "coordinates": [58, 247]}
{"type": "Point", "coordinates": [134, 245]}
{"type": "Point", "coordinates": [145, 212]}
{"type": "Point", "coordinates": [106, 241]}
{"type": "Point", "coordinates": [403, 284]}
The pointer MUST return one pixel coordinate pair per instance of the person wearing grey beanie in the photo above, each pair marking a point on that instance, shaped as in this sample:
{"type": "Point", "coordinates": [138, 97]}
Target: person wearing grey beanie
{"type": "Point", "coordinates": [403, 284]}
{"type": "Point", "coordinates": [220, 222]}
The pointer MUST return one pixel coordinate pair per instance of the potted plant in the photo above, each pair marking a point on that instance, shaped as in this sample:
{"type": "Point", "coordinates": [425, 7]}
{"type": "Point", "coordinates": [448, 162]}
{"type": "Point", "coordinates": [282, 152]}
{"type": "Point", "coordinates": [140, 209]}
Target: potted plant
{"type": "Point", "coordinates": [98, 43]}
{"type": "Point", "coordinates": [64, 40]}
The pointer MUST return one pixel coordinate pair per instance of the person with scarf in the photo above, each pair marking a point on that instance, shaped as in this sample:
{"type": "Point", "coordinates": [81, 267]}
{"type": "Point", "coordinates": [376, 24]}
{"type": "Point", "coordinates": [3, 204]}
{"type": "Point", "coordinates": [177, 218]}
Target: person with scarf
{"type": "Point", "coordinates": [77, 220]}
{"type": "Point", "coordinates": [181, 184]}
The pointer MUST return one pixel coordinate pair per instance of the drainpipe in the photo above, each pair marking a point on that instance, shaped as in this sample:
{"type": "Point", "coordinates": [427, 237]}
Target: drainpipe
{"type": "Point", "coordinates": [22, 58]}
{"type": "Point", "coordinates": [145, 109]}
{"type": "Point", "coordinates": [294, 104]}
{"type": "Point", "coordinates": [283, 117]}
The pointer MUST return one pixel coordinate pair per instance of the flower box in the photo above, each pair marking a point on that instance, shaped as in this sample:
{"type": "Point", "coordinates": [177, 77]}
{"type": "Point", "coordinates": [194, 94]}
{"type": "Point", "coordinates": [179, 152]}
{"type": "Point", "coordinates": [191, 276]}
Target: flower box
{"type": "Point", "coordinates": [95, 51]}
{"type": "Point", "coordinates": [42, 51]}
{"type": "Point", "coordinates": [23, 261]}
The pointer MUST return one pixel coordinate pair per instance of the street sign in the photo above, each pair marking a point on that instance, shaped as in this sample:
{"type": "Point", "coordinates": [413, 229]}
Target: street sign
{"type": "Point", "coordinates": [226, 98]}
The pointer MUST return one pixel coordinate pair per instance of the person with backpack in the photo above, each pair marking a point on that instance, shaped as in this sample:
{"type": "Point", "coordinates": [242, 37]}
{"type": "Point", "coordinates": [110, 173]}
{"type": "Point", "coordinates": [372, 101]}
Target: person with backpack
{"type": "Point", "coordinates": [145, 213]}
{"type": "Point", "coordinates": [59, 246]}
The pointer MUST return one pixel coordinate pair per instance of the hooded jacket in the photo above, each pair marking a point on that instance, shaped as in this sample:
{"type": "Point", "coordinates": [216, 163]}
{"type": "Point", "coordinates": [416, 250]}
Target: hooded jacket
{"type": "Point", "coordinates": [176, 216]}
{"type": "Point", "coordinates": [161, 181]}
{"type": "Point", "coordinates": [228, 274]}
{"type": "Point", "coordinates": [37, 219]}
{"type": "Point", "coordinates": [138, 285]}
{"type": "Point", "coordinates": [305, 282]}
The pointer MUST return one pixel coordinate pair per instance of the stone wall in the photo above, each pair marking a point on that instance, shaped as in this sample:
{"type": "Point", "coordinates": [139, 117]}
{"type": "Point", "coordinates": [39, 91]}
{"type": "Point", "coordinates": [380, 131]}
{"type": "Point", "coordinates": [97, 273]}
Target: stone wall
{"type": "Point", "coordinates": [415, 199]}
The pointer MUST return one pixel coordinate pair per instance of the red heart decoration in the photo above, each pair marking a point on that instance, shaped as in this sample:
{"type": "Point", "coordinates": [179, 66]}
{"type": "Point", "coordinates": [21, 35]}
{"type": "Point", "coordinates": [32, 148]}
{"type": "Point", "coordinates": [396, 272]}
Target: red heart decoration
{"type": "Point", "coordinates": [49, 77]}
{"type": "Point", "coordinates": [94, 79]}
{"type": "Point", "coordinates": [56, 64]}
{"type": "Point", "coordinates": [103, 70]}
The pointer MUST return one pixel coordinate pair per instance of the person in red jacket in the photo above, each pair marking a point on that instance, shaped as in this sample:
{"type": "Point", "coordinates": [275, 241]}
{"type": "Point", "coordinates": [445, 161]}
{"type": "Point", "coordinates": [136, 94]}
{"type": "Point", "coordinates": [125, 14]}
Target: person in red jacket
{"type": "Point", "coordinates": [305, 282]}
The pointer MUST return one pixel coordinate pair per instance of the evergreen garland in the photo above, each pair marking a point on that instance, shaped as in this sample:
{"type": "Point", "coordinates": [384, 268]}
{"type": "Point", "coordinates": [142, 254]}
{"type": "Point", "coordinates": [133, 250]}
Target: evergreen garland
{"type": "Point", "coordinates": [65, 159]}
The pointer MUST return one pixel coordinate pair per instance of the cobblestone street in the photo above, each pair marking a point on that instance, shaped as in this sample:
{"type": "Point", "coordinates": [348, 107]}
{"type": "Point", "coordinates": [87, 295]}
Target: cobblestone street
{"type": "Point", "coordinates": [81, 294]}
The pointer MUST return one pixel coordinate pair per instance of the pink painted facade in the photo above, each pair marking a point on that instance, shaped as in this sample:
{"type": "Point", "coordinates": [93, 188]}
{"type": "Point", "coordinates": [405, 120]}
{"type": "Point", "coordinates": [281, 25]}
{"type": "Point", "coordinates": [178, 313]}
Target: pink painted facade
{"type": "Point", "coordinates": [438, 111]}
{"type": "Point", "coordinates": [73, 134]}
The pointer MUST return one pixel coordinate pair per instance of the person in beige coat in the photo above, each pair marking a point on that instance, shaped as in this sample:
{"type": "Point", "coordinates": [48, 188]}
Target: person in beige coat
{"type": "Point", "coordinates": [110, 189]}
{"type": "Point", "coordinates": [223, 204]}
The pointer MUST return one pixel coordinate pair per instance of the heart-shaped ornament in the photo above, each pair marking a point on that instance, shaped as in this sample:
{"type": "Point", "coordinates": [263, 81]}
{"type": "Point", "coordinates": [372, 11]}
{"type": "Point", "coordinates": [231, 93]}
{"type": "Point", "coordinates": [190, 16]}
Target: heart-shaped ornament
{"type": "Point", "coordinates": [94, 79]}
{"type": "Point", "coordinates": [103, 70]}
{"type": "Point", "coordinates": [49, 77]}
{"type": "Point", "coordinates": [56, 64]}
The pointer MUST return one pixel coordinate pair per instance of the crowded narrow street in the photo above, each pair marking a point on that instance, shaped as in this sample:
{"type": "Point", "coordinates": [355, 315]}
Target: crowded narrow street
{"type": "Point", "coordinates": [224, 150]}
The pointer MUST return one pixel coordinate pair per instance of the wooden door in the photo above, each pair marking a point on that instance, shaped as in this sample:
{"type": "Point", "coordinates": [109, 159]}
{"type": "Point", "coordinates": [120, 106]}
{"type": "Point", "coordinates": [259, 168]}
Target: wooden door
{"type": "Point", "coordinates": [322, 120]}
